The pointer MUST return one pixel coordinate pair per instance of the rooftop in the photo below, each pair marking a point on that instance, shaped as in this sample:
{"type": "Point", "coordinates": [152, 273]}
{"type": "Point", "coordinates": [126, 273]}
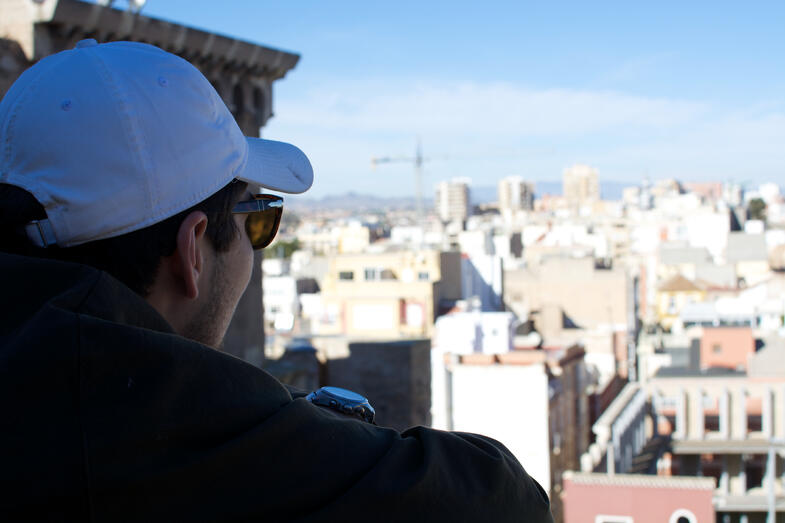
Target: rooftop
{"type": "Point", "coordinates": [639, 480]}
{"type": "Point", "coordinates": [746, 247]}
{"type": "Point", "coordinates": [684, 372]}
{"type": "Point", "coordinates": [677, 255]}
{"type": "Point", "coordinates": [679, 283]}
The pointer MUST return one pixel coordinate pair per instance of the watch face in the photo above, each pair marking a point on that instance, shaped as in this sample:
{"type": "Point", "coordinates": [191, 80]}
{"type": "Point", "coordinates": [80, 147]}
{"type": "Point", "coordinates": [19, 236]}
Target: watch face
{"type": "Point", "coordinates": [344, 394]}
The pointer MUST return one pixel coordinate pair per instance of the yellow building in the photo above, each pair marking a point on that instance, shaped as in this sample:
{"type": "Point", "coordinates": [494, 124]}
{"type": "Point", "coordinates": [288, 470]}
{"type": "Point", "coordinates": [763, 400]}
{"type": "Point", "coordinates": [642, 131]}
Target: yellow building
{"type": "Point", "coordinates": [673, 295]}
{"type": "Point", "coordinates": [388, 295]}
{"type": "Point", "coordinates": [352, 237]}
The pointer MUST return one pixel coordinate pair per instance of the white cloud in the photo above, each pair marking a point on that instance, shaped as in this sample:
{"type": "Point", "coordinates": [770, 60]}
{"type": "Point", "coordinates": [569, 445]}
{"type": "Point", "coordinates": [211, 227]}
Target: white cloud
{"type": "Point", "coordinates": [490, 130]}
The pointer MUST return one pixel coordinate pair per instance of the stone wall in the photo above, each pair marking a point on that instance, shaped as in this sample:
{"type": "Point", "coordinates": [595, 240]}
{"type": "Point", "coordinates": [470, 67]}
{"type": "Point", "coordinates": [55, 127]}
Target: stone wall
{"type": "Point", "coordinates": [394, 376]}
{"type": "Point", "coordinates": [243, 74]}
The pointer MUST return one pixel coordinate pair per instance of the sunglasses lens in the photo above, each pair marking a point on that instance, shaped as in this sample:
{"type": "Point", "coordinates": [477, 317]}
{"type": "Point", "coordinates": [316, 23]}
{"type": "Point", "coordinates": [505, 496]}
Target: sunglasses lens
{"type": "Point", "coordinates": [262, 226]}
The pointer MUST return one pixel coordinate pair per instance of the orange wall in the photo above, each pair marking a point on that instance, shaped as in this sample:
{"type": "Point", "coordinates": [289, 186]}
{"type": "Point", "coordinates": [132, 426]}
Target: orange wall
{"type": "Point", "coordinates": [726, 347]}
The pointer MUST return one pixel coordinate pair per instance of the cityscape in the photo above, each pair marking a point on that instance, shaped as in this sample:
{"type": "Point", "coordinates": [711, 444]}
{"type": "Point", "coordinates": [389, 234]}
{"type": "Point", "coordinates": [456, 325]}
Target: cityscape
{"type": "Point", "coordinates": [632, 345]}
{"type": "Point", "coordinates": [622, 336]}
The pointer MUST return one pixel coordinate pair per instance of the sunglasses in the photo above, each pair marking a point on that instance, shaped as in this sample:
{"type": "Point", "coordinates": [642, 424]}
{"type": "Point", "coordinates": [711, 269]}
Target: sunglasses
{"type": "Point", "coordinates": [264, 216]}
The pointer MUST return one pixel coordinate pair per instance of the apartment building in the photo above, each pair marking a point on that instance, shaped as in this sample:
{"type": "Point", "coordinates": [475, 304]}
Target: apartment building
{"type": "Point", "coordinates": [515, 195]}
{"type": "Point", "coordinates": [535, 401]}
{"type": "Point", "coordinates": [573, 301]}
{"type": "Point", "coordinates": [387, 295]}
{"type": "Point", "coordinates": [453, 202]}
{"type": "Point", "coordinates": [581, 185]}
{"type": "Point", "coordinates": [726, 425]}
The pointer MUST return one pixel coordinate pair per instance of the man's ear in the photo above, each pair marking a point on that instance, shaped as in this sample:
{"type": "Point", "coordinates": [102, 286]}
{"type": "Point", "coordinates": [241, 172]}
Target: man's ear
{"type": "Point", "coordinates": [188, 257]}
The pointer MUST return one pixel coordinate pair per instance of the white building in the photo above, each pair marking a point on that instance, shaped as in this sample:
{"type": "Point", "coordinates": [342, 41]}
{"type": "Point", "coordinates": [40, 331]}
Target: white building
{"type": "Point", "coordinates": [452, 200]}
{"type": "Point", "coordinates": [280, 302]}
{"type": "Point", "coordinates": [474, 332]}
{"type": "Point", "coordinates": [476, 407]}
{"type": "Point", "coordinates": [535, 403]}
{"type": "Point", "coordinates": [482, 279]}
{"type": "Point", "coordinates": [515, 195]}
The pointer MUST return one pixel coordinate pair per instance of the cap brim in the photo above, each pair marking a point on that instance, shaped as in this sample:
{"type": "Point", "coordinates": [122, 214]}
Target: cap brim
{"type": "Point", "coordinates": [277, 165]}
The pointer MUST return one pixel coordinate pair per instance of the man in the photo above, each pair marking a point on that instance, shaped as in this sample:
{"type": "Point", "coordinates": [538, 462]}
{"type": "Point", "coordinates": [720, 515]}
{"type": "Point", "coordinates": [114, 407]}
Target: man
{"type": "Point", "coordinates": [128, 229]}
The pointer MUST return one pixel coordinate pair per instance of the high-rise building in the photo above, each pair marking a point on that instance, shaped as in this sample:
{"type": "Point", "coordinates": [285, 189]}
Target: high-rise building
{"type": "Point", "coordinates": [452, 199]}
{"type": "Point", "coordinates": [581, 185]}
{"type": "Point", "coordinates": [515, 194]}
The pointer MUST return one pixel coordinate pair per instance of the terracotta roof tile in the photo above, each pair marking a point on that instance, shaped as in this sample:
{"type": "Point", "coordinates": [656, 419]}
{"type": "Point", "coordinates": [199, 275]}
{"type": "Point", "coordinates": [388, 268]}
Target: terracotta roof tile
{"type": "Point", "coordinates": [679, 283]}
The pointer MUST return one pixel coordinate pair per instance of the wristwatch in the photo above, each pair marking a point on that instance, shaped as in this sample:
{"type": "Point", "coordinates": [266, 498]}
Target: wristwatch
{"type": "Point", "coordinates": [343, 401]}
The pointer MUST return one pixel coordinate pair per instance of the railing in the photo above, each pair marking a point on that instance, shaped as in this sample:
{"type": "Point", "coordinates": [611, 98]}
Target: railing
{"type": "Point", "coordinates": [620, 432]}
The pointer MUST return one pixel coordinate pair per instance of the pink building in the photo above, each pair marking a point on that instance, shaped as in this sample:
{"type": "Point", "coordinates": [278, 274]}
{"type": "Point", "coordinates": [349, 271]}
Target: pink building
{"type": "Point", "coordinates": [727, 347]}
{"type": "Point", "coordinates": [711, 191]}
{"type": "Point", "coordinates": [624, 498]}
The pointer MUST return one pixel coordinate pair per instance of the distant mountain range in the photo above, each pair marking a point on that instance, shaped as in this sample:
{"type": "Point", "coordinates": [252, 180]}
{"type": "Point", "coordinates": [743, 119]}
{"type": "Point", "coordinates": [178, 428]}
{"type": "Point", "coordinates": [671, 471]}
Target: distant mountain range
{"type": "Point", "coordinates": [352, 201]}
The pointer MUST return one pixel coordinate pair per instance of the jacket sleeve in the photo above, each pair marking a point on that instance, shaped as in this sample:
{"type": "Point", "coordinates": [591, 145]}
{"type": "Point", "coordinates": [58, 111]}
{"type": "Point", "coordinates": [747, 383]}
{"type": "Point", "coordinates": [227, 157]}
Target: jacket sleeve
{"type": "Point", "coordinates": [424, 474]}
{"type": "Point", "coordinates": [295, 392]}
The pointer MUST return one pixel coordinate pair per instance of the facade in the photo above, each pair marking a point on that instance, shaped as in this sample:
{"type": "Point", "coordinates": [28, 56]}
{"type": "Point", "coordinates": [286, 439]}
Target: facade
{"type": "Point", "coordinates": [581, 185]}
{"type": "Point", "coordinates": [731, 428]}
{"type": "Point", "coordinates": [482, 281]}
{"type": "Point", "coordinates": [535, 401]}
{"type": "Point", "coordinates": [673, 296]}
{"type": "Point", "coordinates": [243, 74]}
{"type": "Point", "coordinates": [389, 295]}
{"type": "Point", "coordinates": [573, 301]}
{"type": "Point", "coordinates": [515, 194]}
{"type": "Point", "coordinates": [349, 237]}
{"type": "Point", "coordinates": [627, 498]}
{"type": "Point", "coordinates": [453, 200]}
{"type": "Point", "coordinates": [726, 347]}
{"type": "Point", "coordinates": [728, 427]}
{"type": "Point", "coordinates": [281, 305]}
{"type": "Point", "coordinates": [675, 259]}
{"type": "Point", "coordinates": [749, 255]}
{"type": "Point", "coordinates": [475, 332]}
{"type": "Point", "coordinates": [603, 299]}
{"type": "Point", "coordinates": [394, 375]}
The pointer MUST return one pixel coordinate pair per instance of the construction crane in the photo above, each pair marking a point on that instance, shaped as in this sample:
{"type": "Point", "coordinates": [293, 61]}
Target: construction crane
{"type": "Point", "coordinates": [417, 160]}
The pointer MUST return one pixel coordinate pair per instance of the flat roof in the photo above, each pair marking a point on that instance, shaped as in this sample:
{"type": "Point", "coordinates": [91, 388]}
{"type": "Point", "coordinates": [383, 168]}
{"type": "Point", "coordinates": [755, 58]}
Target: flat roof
{"type": "Point", "coordinates": [723, 446]}
{"type": "Point", "coordinates": [640, 480]}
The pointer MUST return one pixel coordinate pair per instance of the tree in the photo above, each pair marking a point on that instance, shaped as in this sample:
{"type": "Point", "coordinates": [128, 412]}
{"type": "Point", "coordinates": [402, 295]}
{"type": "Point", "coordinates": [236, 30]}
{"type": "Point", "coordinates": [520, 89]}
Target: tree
{"type": "Point", "coordinates": [757, 209]}
{"type": "Point", "coordinates": [284, 248]}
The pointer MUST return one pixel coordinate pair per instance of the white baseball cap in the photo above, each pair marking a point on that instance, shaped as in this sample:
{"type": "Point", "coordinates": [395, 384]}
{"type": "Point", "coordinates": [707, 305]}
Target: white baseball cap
{"type": "Point", "coordinates": [115, 137]}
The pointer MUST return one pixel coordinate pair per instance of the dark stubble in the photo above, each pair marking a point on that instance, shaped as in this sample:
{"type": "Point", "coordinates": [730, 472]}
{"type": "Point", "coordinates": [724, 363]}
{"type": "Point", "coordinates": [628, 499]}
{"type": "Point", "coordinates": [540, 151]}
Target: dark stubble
{"type": "Point", "coordinates": [209, 324]}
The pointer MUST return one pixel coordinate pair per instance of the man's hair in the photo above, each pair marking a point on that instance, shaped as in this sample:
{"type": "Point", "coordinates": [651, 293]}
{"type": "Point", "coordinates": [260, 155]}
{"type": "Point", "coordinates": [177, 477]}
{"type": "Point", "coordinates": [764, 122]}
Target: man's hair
{"type": "Point", "coordinates": [132, 258]}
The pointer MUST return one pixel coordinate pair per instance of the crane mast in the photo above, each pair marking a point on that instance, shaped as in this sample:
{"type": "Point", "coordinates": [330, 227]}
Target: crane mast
{"type": "Point", "coordinates": [416, 160]}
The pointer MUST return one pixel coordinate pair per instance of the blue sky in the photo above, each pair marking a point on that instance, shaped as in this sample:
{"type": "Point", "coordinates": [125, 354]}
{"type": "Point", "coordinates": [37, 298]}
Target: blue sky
{"type": "Point", "coordinates": [695, 92]}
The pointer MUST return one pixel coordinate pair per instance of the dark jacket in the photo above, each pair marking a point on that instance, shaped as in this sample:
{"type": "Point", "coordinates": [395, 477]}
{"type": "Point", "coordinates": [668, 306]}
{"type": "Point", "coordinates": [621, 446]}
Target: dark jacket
{"type": "Point", "coordinates": [107, 415]}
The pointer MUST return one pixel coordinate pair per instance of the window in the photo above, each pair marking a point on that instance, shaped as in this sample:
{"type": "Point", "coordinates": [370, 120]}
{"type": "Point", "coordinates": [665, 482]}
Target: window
{"type": "Point", "coordinates": [387, 274]}
{"type": "Point", "coordinates": [716, 348]}
{"type": "Point", "coordinates": [683, 515]}
{"type": "Point", "coordinates": [346, 275]}
{"type": "Point", "coordinates": [423, 276]}
{"type": "Point", "coordinates": [672, 305]}
{"type": "Point", "coordinates": [379, 273]}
